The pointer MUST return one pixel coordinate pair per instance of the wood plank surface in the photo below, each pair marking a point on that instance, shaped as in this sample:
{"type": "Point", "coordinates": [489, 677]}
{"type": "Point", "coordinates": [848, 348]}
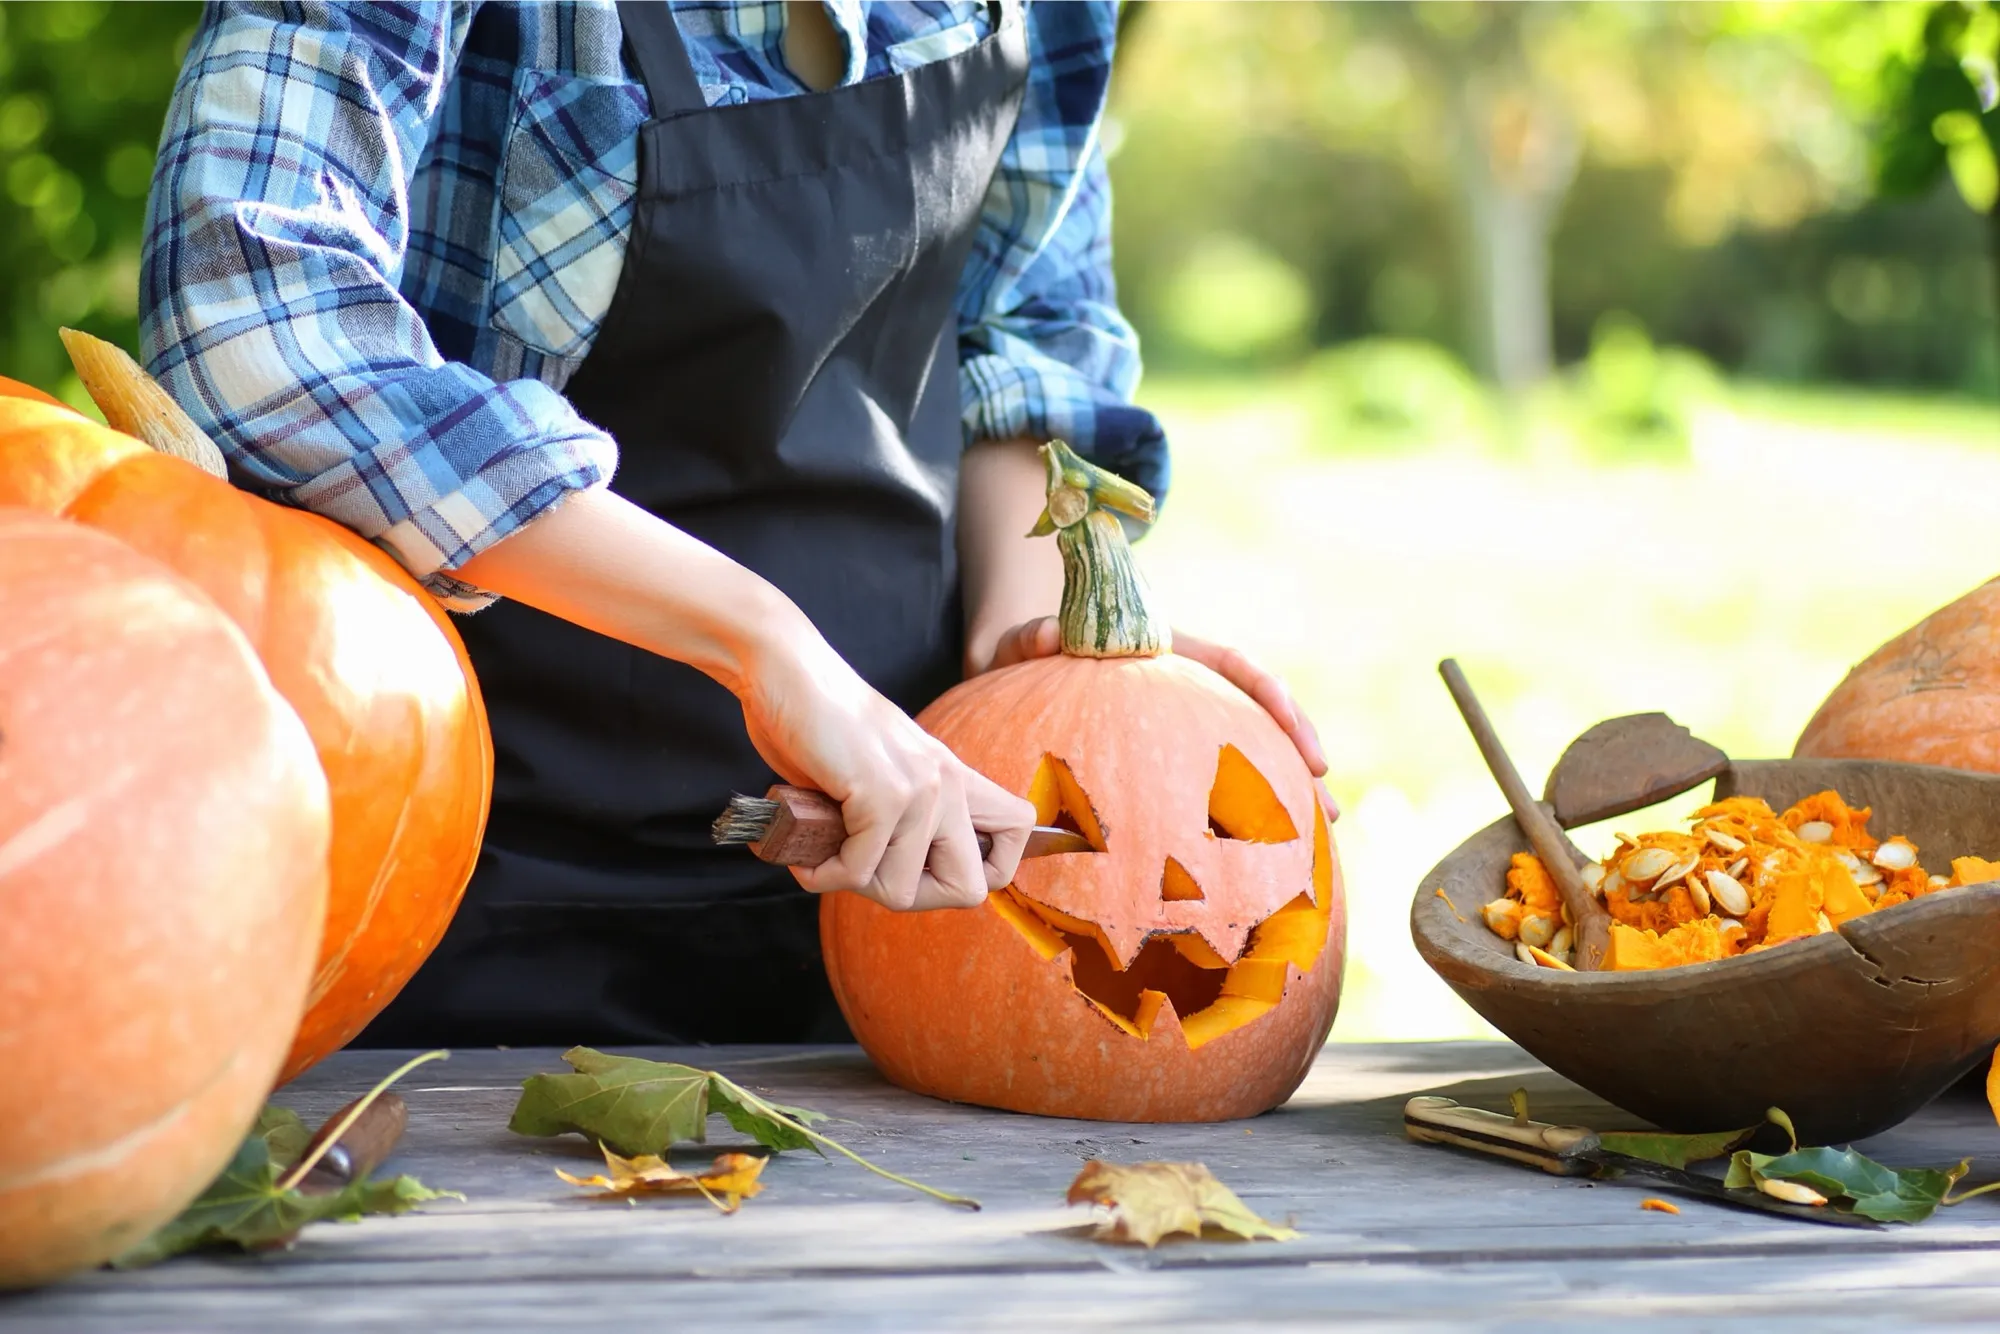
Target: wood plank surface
{"type": "Point", "coordinates": [1397, 1235]}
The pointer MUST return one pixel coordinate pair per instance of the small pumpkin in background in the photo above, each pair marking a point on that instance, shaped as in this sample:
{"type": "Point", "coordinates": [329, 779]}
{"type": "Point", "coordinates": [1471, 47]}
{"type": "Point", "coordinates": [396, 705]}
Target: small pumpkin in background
{"type": "Point", "coordinates": [365, 656]}
{"type": "Point", "coordinates": [1931, 695]}
{"type": "Point", "coordinates": [1186, 970]}
{"type": "Point", "coordinates": [163, 840]}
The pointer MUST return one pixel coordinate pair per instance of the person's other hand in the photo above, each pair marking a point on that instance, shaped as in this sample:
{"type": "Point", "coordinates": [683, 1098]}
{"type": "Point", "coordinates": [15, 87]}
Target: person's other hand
{"type": "Point", "coordinates": [911, 807]}
{"type": "Point", "coordinates": [1042, 638]}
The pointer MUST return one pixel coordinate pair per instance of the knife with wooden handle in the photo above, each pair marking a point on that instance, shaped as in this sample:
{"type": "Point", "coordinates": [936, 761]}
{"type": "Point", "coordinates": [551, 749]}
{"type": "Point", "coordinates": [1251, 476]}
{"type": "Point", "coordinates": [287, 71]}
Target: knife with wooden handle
{"type": "Point", "coordinates": [1573, 1151]}
{"type": "Point", "coordinates": [362, 1147]}
{"type": "Point", "coordinates": [795, 826]}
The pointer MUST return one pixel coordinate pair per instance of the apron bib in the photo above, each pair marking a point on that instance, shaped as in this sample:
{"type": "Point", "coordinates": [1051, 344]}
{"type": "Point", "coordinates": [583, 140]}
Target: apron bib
{"type": "Point", "coordinates": [779, 368]}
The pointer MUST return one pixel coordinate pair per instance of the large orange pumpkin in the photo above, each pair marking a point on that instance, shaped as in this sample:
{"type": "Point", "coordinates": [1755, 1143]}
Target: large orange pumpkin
{"type": "Point", "coordinates": [1186, 970]}
{"type": "Point", "coordinates": [1931, 695]}
{"type": "Point", "coordinates": [366, 657]}
{"type": "Point", "coordinates": [163, 838]}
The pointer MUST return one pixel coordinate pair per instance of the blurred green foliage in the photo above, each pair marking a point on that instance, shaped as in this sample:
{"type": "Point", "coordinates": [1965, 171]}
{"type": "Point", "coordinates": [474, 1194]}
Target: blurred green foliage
{"type": "Point", "coordinates": [83, 92]}
{"type": "Point", "coordinates": [1713, 175]}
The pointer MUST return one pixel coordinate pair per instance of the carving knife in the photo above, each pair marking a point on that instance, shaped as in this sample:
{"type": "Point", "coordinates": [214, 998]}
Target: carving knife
{"type": "Point", "coordinates": [1572, 1151]}
{"type": "Point", "coordinates": [795, 826]}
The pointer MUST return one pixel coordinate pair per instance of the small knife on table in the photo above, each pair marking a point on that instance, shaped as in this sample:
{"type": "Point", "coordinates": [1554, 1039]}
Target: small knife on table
{"type": "Point", "coordinates": [795, 826]}
{"type": "Point", "coordinates": [361, 1148]}
{"type": "Point", "coordinates": [1572, 1151]}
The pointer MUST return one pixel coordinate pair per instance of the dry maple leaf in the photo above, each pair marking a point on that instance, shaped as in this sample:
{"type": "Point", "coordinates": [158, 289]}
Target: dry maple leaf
{"type": "Point", "coordinates": [1149, 1201]}
{"type": "Point", "coordinates": [729, 1180]}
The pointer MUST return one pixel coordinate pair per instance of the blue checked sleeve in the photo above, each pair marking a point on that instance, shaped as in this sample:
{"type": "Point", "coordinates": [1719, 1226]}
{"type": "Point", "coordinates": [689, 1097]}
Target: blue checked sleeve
{"type": "Point", "coordinates": [276, 232]}
{"type": "Point", "coordinates": [1043, 349]}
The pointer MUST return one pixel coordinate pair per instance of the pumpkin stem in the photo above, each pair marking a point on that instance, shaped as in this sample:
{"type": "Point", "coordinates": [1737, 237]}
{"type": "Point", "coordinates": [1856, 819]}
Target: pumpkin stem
{"type": "Point", "coordinates": [132, 403]}
{"type": "Point", "coordinates": [1107, 610]}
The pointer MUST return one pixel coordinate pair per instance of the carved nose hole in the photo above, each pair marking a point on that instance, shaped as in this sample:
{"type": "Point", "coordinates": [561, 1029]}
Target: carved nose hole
{"type": "Point", "coordinates": [1177, 886]}
{"type": "Point", "coordinates": [1242, 804]}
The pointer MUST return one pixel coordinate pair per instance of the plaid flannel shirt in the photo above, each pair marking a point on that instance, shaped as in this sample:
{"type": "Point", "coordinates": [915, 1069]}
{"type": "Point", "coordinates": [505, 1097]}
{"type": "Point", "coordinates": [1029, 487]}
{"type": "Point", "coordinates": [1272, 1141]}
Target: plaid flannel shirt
{"type": "Point", "coordinates": [382, 237]}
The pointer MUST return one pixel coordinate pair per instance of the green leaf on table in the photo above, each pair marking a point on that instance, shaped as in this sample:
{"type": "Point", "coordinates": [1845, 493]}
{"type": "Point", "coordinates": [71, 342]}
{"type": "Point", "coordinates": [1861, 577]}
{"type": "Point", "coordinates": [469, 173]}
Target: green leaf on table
{"type": "Point", "coordinates": [626, 1104]}
{"type": "Point", "coordinates": [635, 1107]}
{"type": "Point", "coordinates": [1657, 1146]}
{"type": "Point", "coordinates": [281, 1130]}
{"type": "Point", "coordinates": [245, 1208]}
{"type": "Point", "coordinates": [752, 1116]}
{"type": "Point", "coordinates": [1885, 1194]}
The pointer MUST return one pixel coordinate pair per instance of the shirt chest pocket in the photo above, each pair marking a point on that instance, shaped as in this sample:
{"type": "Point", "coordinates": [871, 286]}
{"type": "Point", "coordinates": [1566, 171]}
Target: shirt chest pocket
{"type": "Point", "coordinates": [568, 176]}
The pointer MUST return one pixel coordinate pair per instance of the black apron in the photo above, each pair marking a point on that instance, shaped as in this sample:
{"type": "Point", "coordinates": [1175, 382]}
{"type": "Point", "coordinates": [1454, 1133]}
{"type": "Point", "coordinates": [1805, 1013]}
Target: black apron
{"type": "Point", "coordinates": [779, 368]}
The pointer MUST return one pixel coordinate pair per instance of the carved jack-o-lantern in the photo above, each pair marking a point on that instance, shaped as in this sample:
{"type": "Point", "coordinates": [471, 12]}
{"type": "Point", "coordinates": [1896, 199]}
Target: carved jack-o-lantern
{"type": "Point", "coordinates": [1185, 970]}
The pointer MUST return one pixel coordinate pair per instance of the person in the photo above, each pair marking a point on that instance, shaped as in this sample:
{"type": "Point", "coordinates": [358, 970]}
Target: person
{"type": "Point", "coordinates": [826, 275]}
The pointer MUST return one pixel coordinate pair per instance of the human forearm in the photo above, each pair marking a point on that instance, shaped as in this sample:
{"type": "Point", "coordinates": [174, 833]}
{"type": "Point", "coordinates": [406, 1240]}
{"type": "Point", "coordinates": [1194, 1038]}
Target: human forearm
{"type": "Point", "coordinates": [1009, 578]}
{"type": "Point", "coordinates": [602, 562]}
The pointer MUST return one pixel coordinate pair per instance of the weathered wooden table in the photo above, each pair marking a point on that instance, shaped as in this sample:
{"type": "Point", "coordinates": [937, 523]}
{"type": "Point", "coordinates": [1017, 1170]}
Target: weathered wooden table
{"type": "Point", "coordinates": [1397, 1234]}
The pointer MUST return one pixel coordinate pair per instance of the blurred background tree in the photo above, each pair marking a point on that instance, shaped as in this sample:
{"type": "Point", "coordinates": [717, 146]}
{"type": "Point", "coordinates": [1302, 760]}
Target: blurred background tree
{"type": "Point", "coordinates": [83, 92]}
{"type": "Point", "coordinates": [1498, 178]}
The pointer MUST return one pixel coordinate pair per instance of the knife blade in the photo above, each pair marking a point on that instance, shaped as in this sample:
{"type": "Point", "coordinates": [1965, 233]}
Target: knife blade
{"type": "Point", "coordinates": [806, 829]}
{"type": "Point", "coordinates": [1574, 1151]}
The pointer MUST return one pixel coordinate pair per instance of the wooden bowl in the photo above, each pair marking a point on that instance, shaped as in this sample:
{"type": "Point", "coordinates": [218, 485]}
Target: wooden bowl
{"type": "Point", "coordinates": [1849, 1032]}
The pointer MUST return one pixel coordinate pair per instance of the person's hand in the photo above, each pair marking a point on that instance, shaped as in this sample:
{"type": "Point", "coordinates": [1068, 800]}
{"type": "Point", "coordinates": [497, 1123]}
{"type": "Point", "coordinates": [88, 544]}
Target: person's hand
{"type": "Point", "coordinates": [910, 806]}
{"type": "Point", "coordinates": [1042, 638]}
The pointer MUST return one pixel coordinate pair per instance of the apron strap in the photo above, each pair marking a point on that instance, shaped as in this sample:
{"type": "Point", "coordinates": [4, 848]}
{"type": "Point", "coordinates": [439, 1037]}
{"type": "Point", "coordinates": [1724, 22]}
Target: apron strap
{"type": "Point", "coordinates": [654, 40]}
{"type": "Point", "coordinates": [657, 49]}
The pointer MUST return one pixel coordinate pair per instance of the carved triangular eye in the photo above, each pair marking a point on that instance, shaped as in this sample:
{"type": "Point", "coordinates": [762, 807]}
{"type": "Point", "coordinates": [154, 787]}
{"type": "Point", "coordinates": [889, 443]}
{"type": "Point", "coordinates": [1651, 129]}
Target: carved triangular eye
{"type": "Point", "coordinates": [1059, 801]}
{"type": "Point", "coordinates": [1241, 804]}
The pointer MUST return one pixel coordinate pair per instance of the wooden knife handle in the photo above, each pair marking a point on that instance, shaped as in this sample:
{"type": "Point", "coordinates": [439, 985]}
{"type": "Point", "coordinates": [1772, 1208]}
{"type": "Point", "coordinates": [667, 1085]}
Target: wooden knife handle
{"type": "Point", "coordinates": [362, 1148]}
{"type": "Point", "coordinates": [808, 829]}
{"type": "Point", "coordinates": [1563, 1151]}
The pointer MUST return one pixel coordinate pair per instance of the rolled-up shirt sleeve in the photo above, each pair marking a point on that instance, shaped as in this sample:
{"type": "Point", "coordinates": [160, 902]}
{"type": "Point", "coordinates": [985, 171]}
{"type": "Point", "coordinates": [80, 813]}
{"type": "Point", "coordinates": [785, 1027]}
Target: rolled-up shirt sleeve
{"type": "Point", "coordinates": [1043, 348]}
{"type": "Point", "coordinates": [276, 231]}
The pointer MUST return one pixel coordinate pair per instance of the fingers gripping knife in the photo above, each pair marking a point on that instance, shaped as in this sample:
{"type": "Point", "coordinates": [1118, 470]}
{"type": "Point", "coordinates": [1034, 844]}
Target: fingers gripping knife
{"type": "Point", "coordinates": [795, 826]}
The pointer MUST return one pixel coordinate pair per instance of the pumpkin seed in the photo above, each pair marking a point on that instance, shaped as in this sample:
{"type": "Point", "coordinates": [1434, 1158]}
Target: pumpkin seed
{"type": "Point", "coordinates": [1537, 930]}
{"type": "Point", "coordinates": [1791, 1192]}
{"type": "Point", "coordinates": [1739, 866]}
{"type": "Point", "coordinates": [1816, 831]}
{"type": "Point", "coordinates": [1496, 913]}
{"type": "Point", "coordinates": [1674, 874]}
{"type": "Point", "coordinates": [1561, 943]}
{"type": "Point", "coordinates": [1524, 954]}
{"type": "Point", "coordinates": [1728, 892]}
{"type": "Point", "coordinates": [1625, 840]}
{"type": "Point", "coordinates": [1939, 882]}
{"type": "Point", "coordinates": [1700, 897]}
{"type": "Point", "coordinates": [1593, 879]}
{"type": "Point", "coordinates": [1646, 864]}
{"type": "Point", "coordinates": [1611, 883]}
{"type": "Point", "coordinates": [1896, 855]}
{"type": "Point", "coordinates": [1727, 842]}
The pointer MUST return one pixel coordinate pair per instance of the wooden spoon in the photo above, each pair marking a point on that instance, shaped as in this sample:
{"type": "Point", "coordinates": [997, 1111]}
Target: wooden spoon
{"type": "Point", "coordinates": [1588, 920]}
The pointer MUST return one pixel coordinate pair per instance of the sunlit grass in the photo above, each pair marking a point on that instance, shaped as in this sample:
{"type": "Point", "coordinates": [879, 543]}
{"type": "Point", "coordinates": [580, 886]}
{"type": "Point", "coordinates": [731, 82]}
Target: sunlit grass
{"type": "Point", "coordinates": [1732, 588]}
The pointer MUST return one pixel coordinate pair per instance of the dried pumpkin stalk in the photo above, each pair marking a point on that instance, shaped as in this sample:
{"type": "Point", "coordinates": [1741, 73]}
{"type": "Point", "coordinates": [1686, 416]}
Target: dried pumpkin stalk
{"type": "Point", "coordinates": [1744, 878]}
